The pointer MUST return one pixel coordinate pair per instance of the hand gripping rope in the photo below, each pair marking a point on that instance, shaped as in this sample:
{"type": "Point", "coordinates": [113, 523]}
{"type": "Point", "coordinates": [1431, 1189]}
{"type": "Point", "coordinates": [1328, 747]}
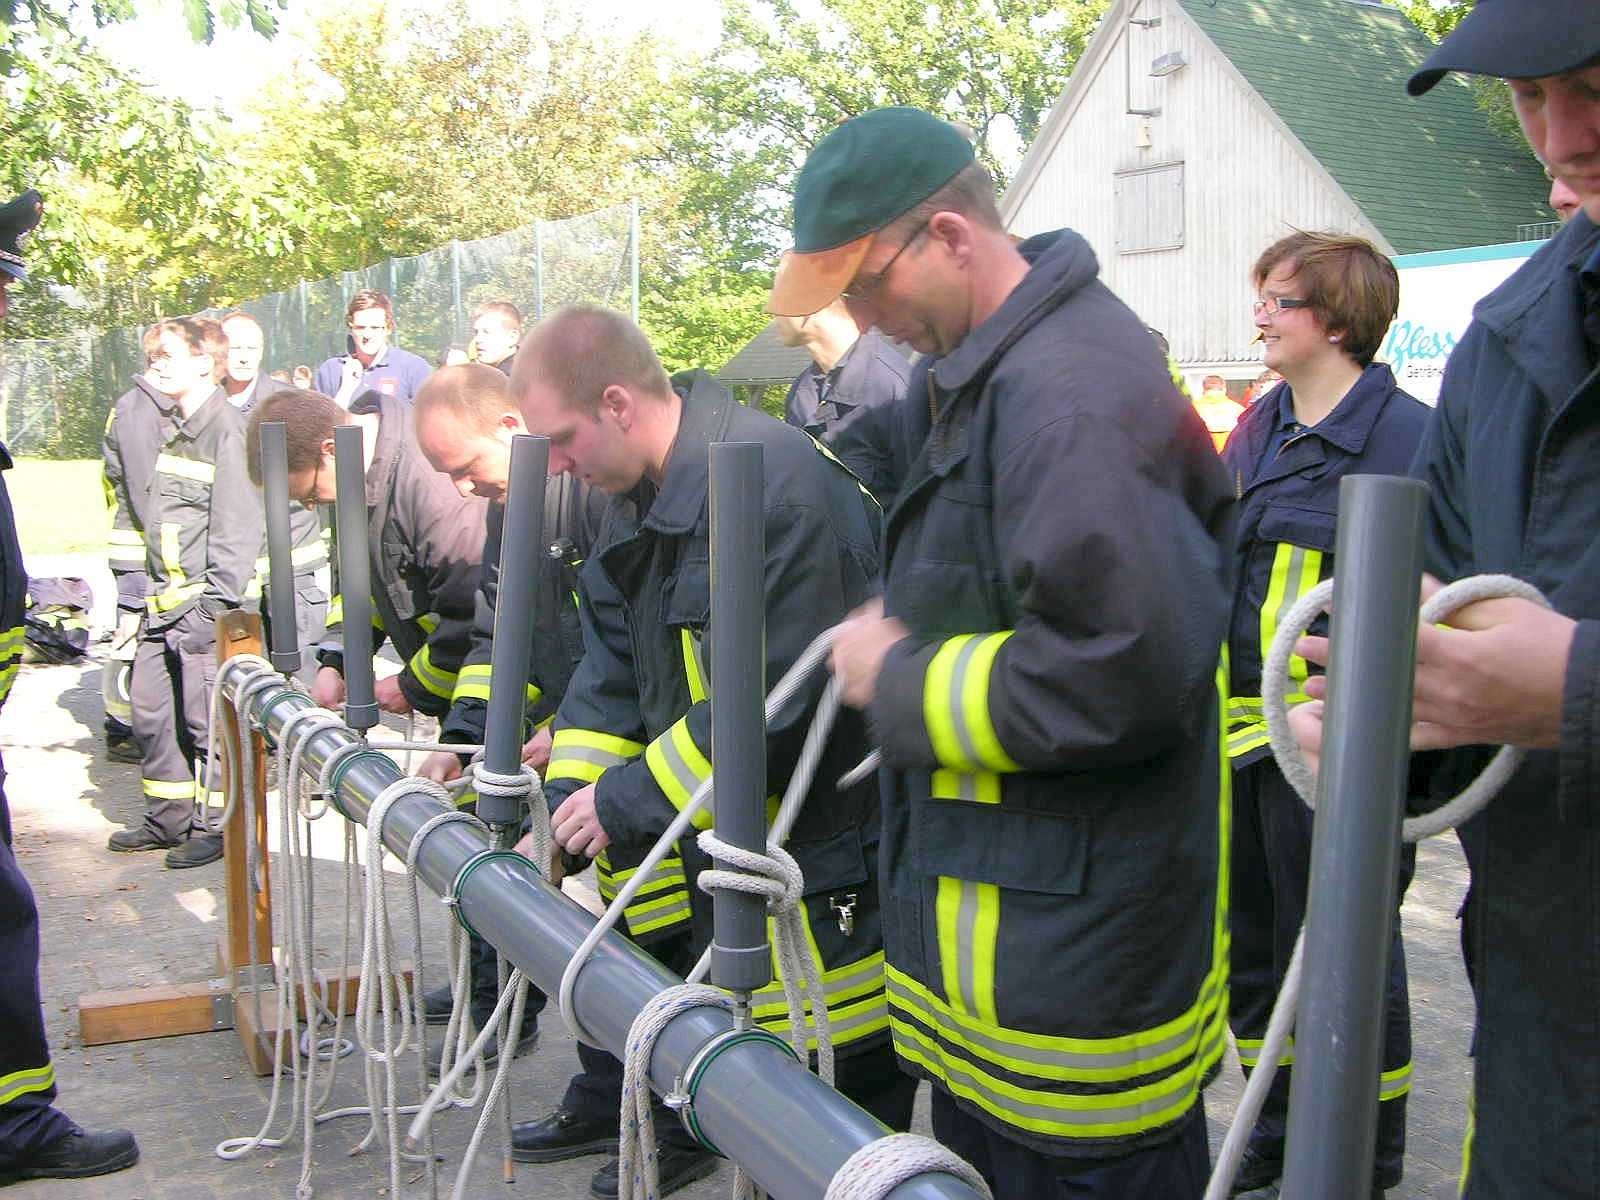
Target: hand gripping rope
{"type": "Point", "coordinates": [871, 1172]}
{"type": "Point", "coordinates": [1471, 800]}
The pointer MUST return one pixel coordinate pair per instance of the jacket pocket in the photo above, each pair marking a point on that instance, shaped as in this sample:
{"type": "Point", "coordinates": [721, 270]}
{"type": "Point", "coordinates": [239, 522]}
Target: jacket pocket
{"type": "Point", "coordinates": [686, 596]}
{"type": "Point", "coordinates": [831, 863]}
{"type": "Point", "coordinates": [990, 843]}
{"type": "Point", "coordinates": [1313, 528]}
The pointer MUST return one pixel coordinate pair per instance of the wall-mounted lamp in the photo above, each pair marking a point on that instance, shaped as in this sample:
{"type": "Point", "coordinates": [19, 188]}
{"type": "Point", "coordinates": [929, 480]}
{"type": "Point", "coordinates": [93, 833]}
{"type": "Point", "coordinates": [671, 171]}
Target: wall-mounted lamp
{"type": "Point", "coordinates": [1169, 63]}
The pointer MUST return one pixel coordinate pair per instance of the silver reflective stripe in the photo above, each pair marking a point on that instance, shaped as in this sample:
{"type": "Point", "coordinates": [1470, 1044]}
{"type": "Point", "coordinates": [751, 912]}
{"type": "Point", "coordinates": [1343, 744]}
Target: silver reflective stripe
{"type": "Point", "coordinates": [604, 759]}
{"type": "Point", "coordinates": [966, 921]}
{"type": "Point", "coordinates": [958, 689]}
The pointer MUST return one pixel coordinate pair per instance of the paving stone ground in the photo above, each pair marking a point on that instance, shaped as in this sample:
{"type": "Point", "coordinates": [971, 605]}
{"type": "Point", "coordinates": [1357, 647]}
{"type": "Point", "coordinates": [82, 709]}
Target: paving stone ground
{"type": "Point", "coordinates": [116, 921]}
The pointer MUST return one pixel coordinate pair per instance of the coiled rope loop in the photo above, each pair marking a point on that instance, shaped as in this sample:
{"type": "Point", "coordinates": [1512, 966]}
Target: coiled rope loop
{"type": "Point", "coordinates": [1286, 750]}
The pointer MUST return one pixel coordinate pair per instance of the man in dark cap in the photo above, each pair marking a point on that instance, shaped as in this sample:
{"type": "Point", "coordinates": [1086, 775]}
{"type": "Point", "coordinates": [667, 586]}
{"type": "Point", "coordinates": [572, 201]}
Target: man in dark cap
{"type": "Point", "coordinates": [1054, 819]}
{"type": "Point", "coordinates": [37, 1139]}
{"type": "Point", "coordinates": [1510, 460]}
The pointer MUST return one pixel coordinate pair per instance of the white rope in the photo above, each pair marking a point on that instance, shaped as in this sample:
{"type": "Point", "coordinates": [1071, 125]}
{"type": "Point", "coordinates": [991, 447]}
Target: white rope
{"type": "Point", "coordinates": [1286, 750]}
{"type": "Point", "coordinates": [812, 657]}
{"type": "Point", "coordinates": [879, 1167]}
{"type": "Point", "coordinates": [776, 876]}
{"type": "Point", "coordinates": [638, 1166]}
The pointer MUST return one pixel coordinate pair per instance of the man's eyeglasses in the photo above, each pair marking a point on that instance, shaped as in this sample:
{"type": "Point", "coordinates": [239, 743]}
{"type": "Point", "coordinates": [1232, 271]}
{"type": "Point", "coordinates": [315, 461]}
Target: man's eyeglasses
{"type": "Point", "coordinates": [1277, 304]}
{"type": "Point", "coordinates": [309, 500]}
{"type": "Point", "coordinates": [863, 286]}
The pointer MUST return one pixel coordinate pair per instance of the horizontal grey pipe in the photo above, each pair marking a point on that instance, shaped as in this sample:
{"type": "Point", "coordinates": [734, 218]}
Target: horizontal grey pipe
{"type": "Point", "coordinates": [755, 1102]}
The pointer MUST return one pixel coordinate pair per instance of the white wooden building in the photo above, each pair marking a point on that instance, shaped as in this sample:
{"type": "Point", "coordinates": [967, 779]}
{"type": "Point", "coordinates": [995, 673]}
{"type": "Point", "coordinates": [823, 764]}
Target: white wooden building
{"type": "Point", "coordinates": [1194, 133]}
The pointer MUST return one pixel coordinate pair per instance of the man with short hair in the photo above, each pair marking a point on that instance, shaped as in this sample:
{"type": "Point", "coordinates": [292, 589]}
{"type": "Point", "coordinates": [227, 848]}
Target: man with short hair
{"type": "Point", "coordinates": [836, 399]}
{"type": "Point", "coordinates": [633, 733]}
{"type": "Point", "coordinates": [128, 449]}
{"type": "Point", "coordinates": [1042, 676]}
{"type": "Point", "coordinates": [203, 533]}
{"type": "Point", "coordinates": [246, 386]}
{"type": "Point", "coordinates": [1509, 458]}
{"type": "Point", "coordinates": [37, 1139]}
{"type": "Point", "coordinates": [373, 363]}
{"type": "Point", "coordinates": [425, 540]}
{"type": "Point", "coordinates": [465, 420]}
{"type": "Point", "coordinates": [496, 333]}
{"type": "Point", "coordinates": [1219, 411]}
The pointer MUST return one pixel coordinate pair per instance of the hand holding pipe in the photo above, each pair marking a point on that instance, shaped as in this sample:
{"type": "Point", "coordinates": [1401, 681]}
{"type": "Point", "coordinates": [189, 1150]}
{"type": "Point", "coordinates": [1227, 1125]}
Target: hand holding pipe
{"type": "Point", "coordinates": [355, 576]}
{"type": "Point", "coordinates": [285, 653]}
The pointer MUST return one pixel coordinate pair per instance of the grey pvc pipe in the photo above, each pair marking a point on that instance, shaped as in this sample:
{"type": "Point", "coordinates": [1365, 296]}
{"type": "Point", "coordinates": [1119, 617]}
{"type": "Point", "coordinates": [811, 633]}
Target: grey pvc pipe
{"type": "Point", "coordinates": [1355, 849]}
{"type": "Point", "coordinates": [756, 1104]}
{"type": "Point", "coordinates": [285, 649]}
{"type": "Point", "coordinates": [355, 576]}
{"type": "Point", "coordinates": [515, 613]}
{"type": "Point", "coordinates": [741, 959]}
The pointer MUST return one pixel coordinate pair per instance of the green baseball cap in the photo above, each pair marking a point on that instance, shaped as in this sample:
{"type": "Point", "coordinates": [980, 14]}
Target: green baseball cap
{"type": "Point", "coordinates": [870, 170]}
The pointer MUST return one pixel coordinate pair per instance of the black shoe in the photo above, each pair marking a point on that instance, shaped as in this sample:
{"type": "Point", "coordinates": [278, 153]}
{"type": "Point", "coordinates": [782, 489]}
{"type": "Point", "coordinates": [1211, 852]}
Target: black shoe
{"type": "Point", "coordinates": [199, 850]}
{"type": "Point", "coordinates": [436, 1005]}
{"type": "Point", "coordinates": [677, 1167]}
{"type": "Point", "coordinates": [560, 1136]}
{"type": "Point", "coordinates": [1256, 1171]}
{"type": "Point", "coordinates": [123, 750]}
{"type": "Point", "coordinates": [77, 1155]}
{"type": "Point", "coordinates": [140, 837]}
{"type": "Point", "coordinates": [491, 1049]}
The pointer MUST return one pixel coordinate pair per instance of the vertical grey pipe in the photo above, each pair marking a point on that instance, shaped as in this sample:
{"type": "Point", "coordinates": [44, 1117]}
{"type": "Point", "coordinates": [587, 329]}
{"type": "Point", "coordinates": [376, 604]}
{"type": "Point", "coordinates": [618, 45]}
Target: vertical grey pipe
{"type": "Point", "coordinates": [740, 957]}
{"type": "Point", "coordinates": [1355, 850]}
{"type": "Point", "coordinates": [285, 652]}
{"type": "Point", "coordinates": [355, 576]}
{"type": "Point", "coordinates": [515, 612]}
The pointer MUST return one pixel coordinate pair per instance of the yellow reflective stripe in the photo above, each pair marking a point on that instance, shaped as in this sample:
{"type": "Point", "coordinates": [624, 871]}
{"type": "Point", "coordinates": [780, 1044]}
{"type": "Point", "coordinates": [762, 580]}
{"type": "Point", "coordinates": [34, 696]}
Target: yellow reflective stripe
{"type": "Point", "coordinates": [440, 682]}
{"type": "Point", "coordinates": [8, 676]}
{"type": "Point", "coordinates": [1394, 1084]}
{"type": "Point", "coordinates": [1250, 1052]}
{"type": "Point", "coordinates": [336, 611]}
{"type": "Point", "coordinates": [955, 704]}
{"type": "Point", "coordinates": [125, 547]}
{"type": "Point", "coordinates": [1053, 1112]}
{"type": "Point", "coordinates": [168, 789]}
{"type": "Point", "coordinates": [313, 554]}
{"type": "Point", "coordinates": [428, 621]}
{"type": "Point", "coordinates": [1466, 1142]}
{"type": "Point", "coordinates": [679, 768]}
{"type": "Point", "coordinates": [12, 639]}
{"type": "Point", "coordinates": [853, 992]}
{"type": "Point", "coordinates": [968, 918]}
{"type": "Point", "coordinates": [1295, 571]}
{"type": "Point", "coordinates": [975, 787]}
{"type": "Point", "coordinates": [693, 667]}
{"type": "Point", "coordinates": [185, 468]}
{"type": "Point", "coordinates": [29, 1079]}
{"type": "Point", "coordinates": [472, 683]}
{"type": "Point", "coordinates": [587, 754]}
{"type": "Point", "coordinates": [130, 560]}
{"type": "Point", "coordinates": [662, 901]}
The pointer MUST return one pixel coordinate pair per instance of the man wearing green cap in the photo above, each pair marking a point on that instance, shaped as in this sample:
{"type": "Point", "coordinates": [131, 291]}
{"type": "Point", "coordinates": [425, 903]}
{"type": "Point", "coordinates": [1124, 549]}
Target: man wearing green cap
{"type": "Point", "coordinates": [37, 1139]}
{"type": "Point", "coordinates": [1042, 676]}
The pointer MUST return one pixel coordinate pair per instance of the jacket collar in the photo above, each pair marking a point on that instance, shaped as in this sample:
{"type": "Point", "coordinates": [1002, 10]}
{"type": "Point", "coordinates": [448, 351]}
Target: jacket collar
{"type": "Point", "coordinates": [161, 400]}
{"type": "Point", "coordinates": [1350, 423]}
{"type": "Point", "coordinates": [202, 418]}
{"type": "Point", "coordinates": [686, 488]}
{"type": "Point", "coordinates": [1061, 263]}
{"type": "Point", "coordinates": [1537, 312]}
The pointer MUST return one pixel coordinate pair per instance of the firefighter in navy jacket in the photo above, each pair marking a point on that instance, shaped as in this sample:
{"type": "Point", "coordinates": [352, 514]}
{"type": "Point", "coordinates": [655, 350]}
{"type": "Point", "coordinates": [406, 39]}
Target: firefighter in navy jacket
{"type": "Point", "coordinates": [635, 719]}
{"type": "Point", "coordinates": [1043, 680]}
{"type": "Point", "coordinates": [1326, 302]}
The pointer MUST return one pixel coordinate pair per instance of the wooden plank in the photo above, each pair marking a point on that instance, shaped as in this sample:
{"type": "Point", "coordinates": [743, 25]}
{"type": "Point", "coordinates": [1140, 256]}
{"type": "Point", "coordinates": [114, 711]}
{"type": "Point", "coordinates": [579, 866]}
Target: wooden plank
{"type": "Point", "coordinates": [350, 977]}
{"type": "Point", "coordinates": [133, 1014]}
{"type": "Point", "coordinates": [240, 633]}
{"type": "Point", "coordinates": [258, 1039]}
